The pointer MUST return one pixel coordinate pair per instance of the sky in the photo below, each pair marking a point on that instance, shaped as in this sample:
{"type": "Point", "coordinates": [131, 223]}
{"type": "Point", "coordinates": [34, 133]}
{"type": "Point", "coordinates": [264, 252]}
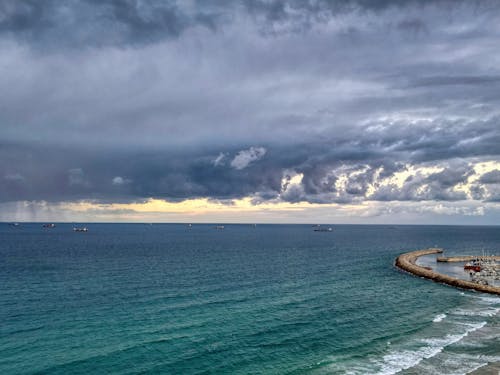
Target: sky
{"type": "Point", "coordinates": [265, 111]}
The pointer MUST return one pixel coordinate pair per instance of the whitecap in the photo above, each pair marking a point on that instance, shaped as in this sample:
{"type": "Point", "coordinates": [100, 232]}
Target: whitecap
{"type": "Point", "coordinates": [405, 359]}
{"type": "Point", "coordinates": [439, 318]}
{"type": "Point", "coordinates": [490, 300]}
{"type": "Point", "coordinates": [399, 360]}
{"type": "Point", "coordinates": [451, 339]}
{"type": "Point", "coordinates": [485, 313]}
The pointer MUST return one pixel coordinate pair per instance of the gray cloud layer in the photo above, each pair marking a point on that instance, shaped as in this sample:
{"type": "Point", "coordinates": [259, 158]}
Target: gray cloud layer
{"type": "Point", "coordinates": [125, 100]}
{"type": "Point", "coordinates": [134, 22]}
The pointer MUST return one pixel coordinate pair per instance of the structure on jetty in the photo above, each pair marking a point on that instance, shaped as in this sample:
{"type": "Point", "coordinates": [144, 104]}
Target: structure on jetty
{"type": "Point", "coordinates": [407, 262]}
{"type": "Point", "coordinates": [467, 258]}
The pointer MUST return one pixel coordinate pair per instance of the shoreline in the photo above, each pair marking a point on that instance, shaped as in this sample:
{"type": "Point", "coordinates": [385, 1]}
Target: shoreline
{"type": "Point", "coordinates": [407, 262]}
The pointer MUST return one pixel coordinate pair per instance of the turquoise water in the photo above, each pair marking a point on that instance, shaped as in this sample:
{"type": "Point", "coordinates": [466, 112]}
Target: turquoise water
{"type": "Point", "coordinates": [271, 299]}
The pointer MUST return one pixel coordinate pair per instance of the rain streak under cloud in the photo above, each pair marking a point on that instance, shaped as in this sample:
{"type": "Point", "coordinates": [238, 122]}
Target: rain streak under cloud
{"type": "Point", "coordinates": [278, 111]}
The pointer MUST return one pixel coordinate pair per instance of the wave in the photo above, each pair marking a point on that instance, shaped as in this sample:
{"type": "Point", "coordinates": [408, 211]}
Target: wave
{"type": "Point", "coordinates": [489, 300]}
{"type": "Point", "coordinates": [439, 318]}
{"type": "Point", "coordinates": [484, 313]}
{"type": "Point", "coordinates": [413, 353]}
{"type": "Point", "coordinates": [399, 360]}
{"type": "Point", "coordinates": [483, 299]}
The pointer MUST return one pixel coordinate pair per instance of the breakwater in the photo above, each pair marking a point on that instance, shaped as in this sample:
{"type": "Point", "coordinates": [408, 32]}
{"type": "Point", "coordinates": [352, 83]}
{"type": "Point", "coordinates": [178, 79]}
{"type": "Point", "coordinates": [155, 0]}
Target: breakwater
{"type": "Point", "coordinates": [467, 258]}
{"type": "Point", "coordinates": [407, 262]}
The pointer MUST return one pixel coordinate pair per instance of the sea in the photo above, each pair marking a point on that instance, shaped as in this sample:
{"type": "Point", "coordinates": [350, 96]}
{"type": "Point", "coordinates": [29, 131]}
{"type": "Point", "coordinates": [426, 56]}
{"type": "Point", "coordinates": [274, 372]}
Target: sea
{"type": "Point", "coordinates": [246, 299]}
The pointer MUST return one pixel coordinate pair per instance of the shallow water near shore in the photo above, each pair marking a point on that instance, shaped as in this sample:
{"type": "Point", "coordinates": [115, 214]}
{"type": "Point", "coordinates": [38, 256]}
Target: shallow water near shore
{"type": "Point", "coordinates": [168, 298]}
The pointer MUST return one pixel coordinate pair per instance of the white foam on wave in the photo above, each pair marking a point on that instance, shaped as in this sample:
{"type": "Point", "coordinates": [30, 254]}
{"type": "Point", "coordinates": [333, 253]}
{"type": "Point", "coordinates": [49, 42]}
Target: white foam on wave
{"type": "Point", "coordinates": [451, 339]}
{"type": "Point", "coordinates": [490, 300]}
{"type": "Point", "coordinates": [428, 352]}
{"type": "Point", "coordinates": [484, 299]}
{"type": "Point", "coordinates": [404, 359]}
{"type": "Point", "coordinates": [399, 360]}
{"type": "Point", "coordinates": [485, 313]}
{"type": "Point", "coordinates": [439, 318]}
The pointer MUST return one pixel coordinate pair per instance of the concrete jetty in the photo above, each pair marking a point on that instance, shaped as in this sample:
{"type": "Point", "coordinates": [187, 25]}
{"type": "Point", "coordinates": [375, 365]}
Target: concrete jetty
{"type": "Point", "coordinates": [407, 262]}
{"type": "Point", "coordinates": [467, 258]}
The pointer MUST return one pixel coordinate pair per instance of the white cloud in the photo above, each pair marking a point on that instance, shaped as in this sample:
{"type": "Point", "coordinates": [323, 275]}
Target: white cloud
{"type": "Point", "coordinates": [118, 180]}
{"type": "Point", "coordinates": [245, 157]}
{"type": "Point", "coordinates": [219, 160]}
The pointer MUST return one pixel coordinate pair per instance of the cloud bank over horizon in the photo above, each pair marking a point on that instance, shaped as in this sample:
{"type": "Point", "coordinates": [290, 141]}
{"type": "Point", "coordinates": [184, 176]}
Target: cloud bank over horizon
{"type": "Point", "coordinates": [367, 111]}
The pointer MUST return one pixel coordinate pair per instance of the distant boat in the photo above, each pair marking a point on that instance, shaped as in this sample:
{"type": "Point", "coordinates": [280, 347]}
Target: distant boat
{"type": "Point", "coordinates": [51, 225]}
{"type": "Point", "coordinates": [219, 227]}
{"type": "Point", "coordinates": [14, 224]}
{"type": "Point", "coordinates": [83, 229]}
{"type": "Point", "coordinates": [319, 229]}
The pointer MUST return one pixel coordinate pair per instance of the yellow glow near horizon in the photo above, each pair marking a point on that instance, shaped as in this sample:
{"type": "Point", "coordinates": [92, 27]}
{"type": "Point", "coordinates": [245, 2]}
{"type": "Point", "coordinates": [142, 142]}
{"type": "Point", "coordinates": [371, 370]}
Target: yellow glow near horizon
{"type": "Point", "coordinates": [192, 206]}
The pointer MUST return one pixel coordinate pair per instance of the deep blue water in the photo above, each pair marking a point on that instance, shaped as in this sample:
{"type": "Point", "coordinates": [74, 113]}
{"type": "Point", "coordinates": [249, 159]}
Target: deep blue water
{"type": "Point", "coordinates": [271, 299]}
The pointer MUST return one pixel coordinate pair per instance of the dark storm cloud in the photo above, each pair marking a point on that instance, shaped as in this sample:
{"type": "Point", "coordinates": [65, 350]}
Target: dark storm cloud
{"type": "Point", "coordinates": [126, 100]}
{"type": "Point", "coordinates": [282, 10]}
{"type": "Point", "coordinates": [129, 175]}
{"type": "Point", "coordinates": [492, 177]}
{"type": "Point", "coordinates": [70, 174]}
{"type": "Point", "coordinates": [93, 22]}
{"type": "Point", "coordinates": [122, 22]}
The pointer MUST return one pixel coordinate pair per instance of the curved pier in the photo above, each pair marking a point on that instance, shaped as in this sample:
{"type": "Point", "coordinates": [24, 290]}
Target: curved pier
{"type": "Point", "coordinates": [407, 262]}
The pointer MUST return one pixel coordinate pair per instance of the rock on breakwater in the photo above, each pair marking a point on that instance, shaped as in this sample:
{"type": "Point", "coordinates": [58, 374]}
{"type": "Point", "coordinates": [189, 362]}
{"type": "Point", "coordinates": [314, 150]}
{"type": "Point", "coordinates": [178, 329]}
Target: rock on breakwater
{"type": "Point", "coordinates": [407, 262]}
